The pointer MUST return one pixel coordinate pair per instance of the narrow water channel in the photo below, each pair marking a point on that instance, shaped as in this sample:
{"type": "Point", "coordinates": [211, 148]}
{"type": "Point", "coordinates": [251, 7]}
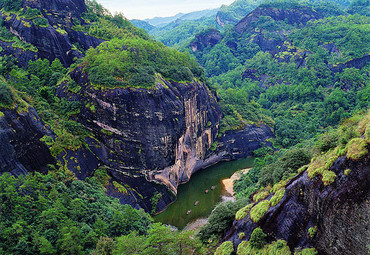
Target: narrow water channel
{"type": "Point", "coordinates": [194, 190]}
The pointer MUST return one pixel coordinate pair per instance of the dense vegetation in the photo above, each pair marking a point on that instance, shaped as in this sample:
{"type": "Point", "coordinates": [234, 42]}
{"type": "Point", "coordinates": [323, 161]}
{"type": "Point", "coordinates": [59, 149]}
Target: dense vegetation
{"type": "Point", "coordinates": [135, 62]}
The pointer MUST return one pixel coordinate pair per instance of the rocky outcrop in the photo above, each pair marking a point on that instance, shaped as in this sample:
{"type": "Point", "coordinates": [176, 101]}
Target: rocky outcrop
{"type": "Point", "coordinates": [21, 150]}
{"type": "Point", "coordinates": [208, 38]}
{"type": "Point", "coordinates": [160, 135]}
{"type": "Point", "coordinates": [241, 143]}
{"type": "Point", "coordinates": [358, 63]}
{"type": "Point", "coordinates": [57, 39]}
{"type": "Point", "coordinates": [339, 211]}
{"type": "Point", "coordinates": [152, 140]}
{"type": "Point", "coordinates": [291, 16]}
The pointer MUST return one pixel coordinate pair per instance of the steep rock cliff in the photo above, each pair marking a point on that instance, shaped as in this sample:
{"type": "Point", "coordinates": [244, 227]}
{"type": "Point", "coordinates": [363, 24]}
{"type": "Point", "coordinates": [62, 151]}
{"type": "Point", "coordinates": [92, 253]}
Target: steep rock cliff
{"type": "Point", "coordinates": [21, 150]}
{"type": "Point", "coordinates": [339, 212]}
{"type": "Point", "coordinates": [152, 140]}
{"type": "Point", "coordinates": [57, 39]}
{"type": "Point", "coordinates": [291, 16]}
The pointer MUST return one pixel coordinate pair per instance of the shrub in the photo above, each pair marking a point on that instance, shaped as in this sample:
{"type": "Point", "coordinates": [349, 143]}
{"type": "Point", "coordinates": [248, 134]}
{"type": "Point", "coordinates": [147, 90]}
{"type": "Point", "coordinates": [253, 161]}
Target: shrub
{"type": "Point", "coordinates": [225, 248]}
{"type": "Point", "coordinates": [327, 142]}
{"type": "Point", "coordinates": [242, 213]}
{"type": "Point", "coordinates": [347, 172]}
{"type": "Point", "coordinates": [241, 235]}
{"type": "Point", "coordinates": [258, 238]}
{"type": "Point", "coordinates": [260, 195]}
{"type": "Point", "coordinates": [357, 148]}
{"type": "Point", "coordinates": [259, 210]}
{"type": "Point", "coordinates": [41, 22]}
{"type": "Point", "coordinates": [277, 197]}
{"type": "Point", "coordinates": [307, 251]}
{"type": "Point", "coordinates": [221, 218]}
{"type": "Point", "coordinates": [32, 13]}
{"type": "Point", "coordinates": [6, 95]}
{"type": "Point", "coordinates": [328, 177]}
{"type": "Point", "coordinates": [312, 231]}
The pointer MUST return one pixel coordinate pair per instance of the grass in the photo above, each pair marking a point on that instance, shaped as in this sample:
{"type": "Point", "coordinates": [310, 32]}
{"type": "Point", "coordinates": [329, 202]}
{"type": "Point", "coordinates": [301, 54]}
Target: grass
{"type": "Point", "coordinates": [356, 149]}
{"type": "Point", "coordinates": [1, 114]}
{"type": "Point", "coordinates": [259, 210]}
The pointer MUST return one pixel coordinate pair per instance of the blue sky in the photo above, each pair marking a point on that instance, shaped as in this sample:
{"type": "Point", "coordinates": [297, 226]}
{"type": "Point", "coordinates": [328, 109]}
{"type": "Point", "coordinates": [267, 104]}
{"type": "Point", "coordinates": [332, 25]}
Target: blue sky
{"type": "Point", "coordinates": [142, 9]}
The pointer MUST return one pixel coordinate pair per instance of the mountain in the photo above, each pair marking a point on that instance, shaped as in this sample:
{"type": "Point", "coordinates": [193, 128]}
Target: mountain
{"type": "Point", "coordinates": [163, 21]}
{"type": "Point", "coordinates": [160, 142]}
{"type": "Point", "coordinates": [142, 24]}
{"type": "Point", "coordinates": [325, 201]}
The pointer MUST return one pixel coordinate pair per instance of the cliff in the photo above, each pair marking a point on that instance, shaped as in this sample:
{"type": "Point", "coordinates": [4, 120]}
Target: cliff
{"type": "Point", "coordinates": [330, 215]}
{"type": "Point", "coordinates": [21, 150]}
{"type": "Point", "coordinates": [57, 39]}
{"type": "Point", "coordinates": [152, 140]}
{"type": "Point", "coordinates": [297, 16]}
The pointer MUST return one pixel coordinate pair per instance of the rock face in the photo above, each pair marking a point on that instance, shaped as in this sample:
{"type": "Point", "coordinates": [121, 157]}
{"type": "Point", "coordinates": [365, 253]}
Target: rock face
{"type": "Point", "coordinates": [208, 38]}
{"type": "Point", "coordinates": [58, 39]}
{"type": "Point", "coordinates": [155, 139]}
{"type": "Point", "coordinates": [21, 150]}
{"type": "Point", "coordinates": [241, 144]}
{"type": "Point", "coordinates": [340, 212]}
{"type": "Point", "coordinates": [291, 16]}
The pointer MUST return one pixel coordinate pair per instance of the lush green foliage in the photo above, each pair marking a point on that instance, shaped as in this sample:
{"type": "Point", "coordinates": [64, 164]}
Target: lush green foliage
{"type": "Point", "coordinates": [220, 219]}
{"type": "Point", "coordinates": [160, 240]}
{"type": "Point", "coordinates": [41, 22]}
{"type": "Point", "coordinates": [135, 62]}
{"type": "Point", "coordinates": [258, 239]}
{"type": "Point", "coordinates": [48, 214]}
{"type": "Point", "coordinates": [234, 12]}
{"type": "Point", "coordinates": [6, 95]}
{"type": "Point", "coordinates": [351, 34]}
{"type": "Point", "coordinates": [225, 248]}
{"type": "Point", "coordinates": [279, 247]}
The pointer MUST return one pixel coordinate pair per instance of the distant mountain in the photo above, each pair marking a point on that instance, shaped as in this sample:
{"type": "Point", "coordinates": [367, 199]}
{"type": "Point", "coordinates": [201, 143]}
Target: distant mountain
{"type": "Point", "coordinates": [142, 24]}
{"type": "Point", "coordinates": [163, 21]}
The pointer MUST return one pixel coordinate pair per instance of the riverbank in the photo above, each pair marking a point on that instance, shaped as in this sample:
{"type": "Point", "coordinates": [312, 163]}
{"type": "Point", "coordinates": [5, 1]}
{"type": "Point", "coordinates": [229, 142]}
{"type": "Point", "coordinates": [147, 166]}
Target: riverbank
{"type": "Point", "coordinates": [197, 198]}
{"type": "Point", "coordinates": [229, 182]}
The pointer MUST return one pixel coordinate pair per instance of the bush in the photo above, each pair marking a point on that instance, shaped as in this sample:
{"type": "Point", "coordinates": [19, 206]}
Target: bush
{"type": "Point", "coordinates": [41, 22]}
{"type": "Point", "coordinates": [32, 13]}
{"type": "Point", "coordinates": [327, 142]}
{"type": "Point", "coordinates": [220, 219]}
{"type": "Point", "coordinates": [357, 148]}
{"type": "Point", "coordinates": [259, 210]}
{"type": "Point", "coordinates": [6, 95]}
{"type": "Point", "coordinates": [258, 238]}
{"type": "Point", "coordinates": [225, 248]}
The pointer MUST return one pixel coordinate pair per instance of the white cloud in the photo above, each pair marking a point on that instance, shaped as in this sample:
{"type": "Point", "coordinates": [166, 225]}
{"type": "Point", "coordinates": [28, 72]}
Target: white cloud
{"type": "Point", "coordinates": [142, 9]}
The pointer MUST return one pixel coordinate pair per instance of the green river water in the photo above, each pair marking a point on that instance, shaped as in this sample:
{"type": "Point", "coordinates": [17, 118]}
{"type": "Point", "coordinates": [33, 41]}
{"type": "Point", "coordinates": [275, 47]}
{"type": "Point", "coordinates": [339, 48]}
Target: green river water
{"type": "Point", "coordinates": [194, 190]}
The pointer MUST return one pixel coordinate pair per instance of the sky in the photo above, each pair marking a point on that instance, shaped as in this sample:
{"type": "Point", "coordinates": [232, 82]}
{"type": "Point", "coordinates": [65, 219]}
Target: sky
{"type": "Point", "coordinates": [142, 9]}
